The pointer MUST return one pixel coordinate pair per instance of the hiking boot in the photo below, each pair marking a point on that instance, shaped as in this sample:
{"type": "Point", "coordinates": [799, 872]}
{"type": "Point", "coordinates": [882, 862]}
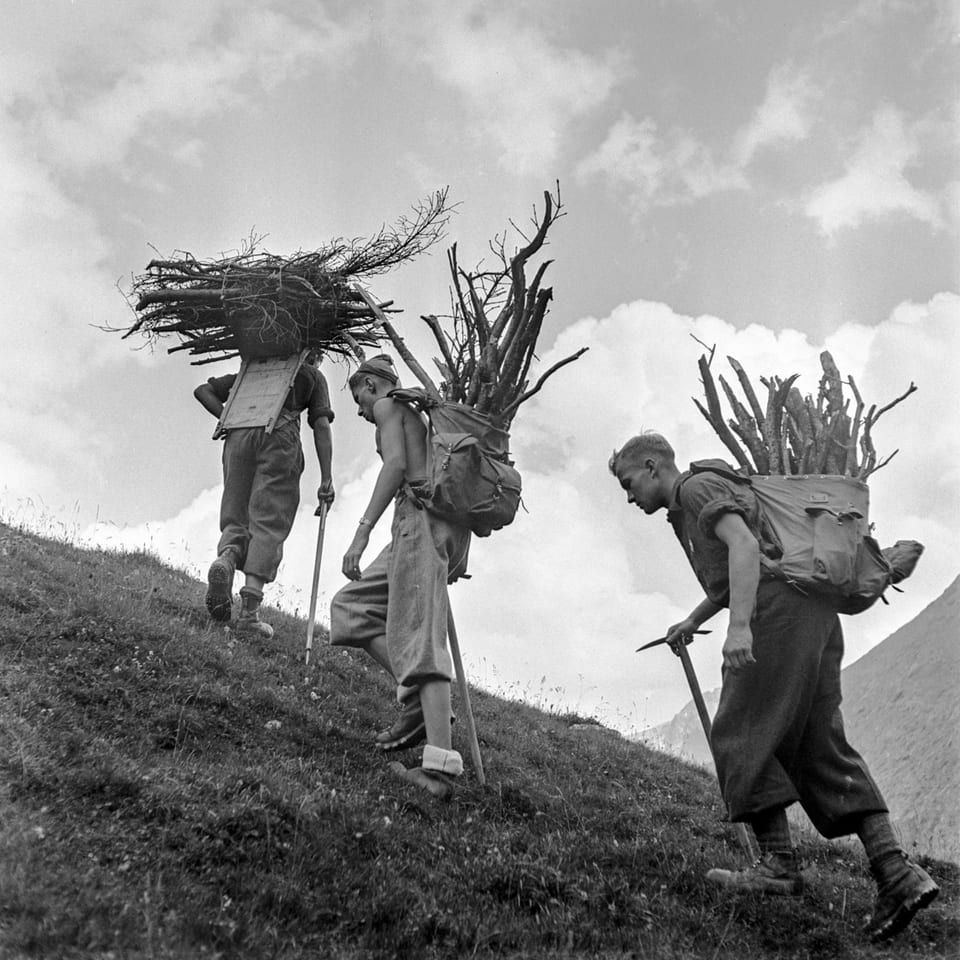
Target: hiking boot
{"type": "Point", "coordinates": [408, 730]}
{"type": "Point", "coordinates": [774, 873]}
{"type": "Point", "coordinates": [898, 900]}
{"type": "Point", "coordinates": [248, 624]}
{"type": "Point", "coordinates": [439, 785]}
{"type": "Point", "coordinates": [219, 598]}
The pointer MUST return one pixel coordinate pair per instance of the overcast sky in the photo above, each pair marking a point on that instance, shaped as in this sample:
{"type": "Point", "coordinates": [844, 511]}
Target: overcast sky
{"type": "Point", "coordinates": [771, 178]}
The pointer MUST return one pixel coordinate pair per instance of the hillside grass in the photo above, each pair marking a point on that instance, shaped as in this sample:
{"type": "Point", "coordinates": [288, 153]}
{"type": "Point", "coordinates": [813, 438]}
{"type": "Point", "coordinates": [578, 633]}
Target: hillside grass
{"type": "Point", "coordinates": [166, 792]}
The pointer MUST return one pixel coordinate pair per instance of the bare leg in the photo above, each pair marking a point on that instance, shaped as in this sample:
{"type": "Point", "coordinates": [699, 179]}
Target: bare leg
{"type": "Point", "coordinates": [435, 702]}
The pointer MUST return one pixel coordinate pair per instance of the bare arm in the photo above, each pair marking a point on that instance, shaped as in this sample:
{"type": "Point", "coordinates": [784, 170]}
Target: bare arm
{"type": "Point", "coordinates": [697, 617]}
{"type": "Point", "coordinates": [323, 443]}
{"type": "Point", "coordinates": [209, 399]}
{"type": "Point", "coordinates": [744, 575]}
{"type": "Point", "coordinates": [388, 417]}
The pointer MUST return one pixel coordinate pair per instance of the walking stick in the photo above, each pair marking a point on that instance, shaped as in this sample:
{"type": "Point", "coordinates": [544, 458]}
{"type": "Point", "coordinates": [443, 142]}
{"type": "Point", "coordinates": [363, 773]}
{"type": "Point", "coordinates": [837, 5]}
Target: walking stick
{"type": "Point", "coordinates": [320, 512]}
{"type": "Point", "coordinates": [465, 696]}
{"type": "Point", "coordinates": [743, 835]}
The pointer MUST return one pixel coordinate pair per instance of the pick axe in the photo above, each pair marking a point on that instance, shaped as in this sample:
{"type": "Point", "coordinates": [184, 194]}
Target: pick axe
{"type": "Point", "coordinates": [320, 512]}
{"type": "Point", "coordinates": [680, 649]}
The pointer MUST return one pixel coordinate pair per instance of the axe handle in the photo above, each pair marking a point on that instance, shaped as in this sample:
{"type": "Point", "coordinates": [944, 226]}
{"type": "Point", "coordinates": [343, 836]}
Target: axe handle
{"type": "Point", "coordinates": [743, 835]}
{"type": "Point", "coordinates": [314, 587]}
{"type": "Point", "coordinates": [465, 697]}
{"type": "Point", "coordinates": [695, 690]}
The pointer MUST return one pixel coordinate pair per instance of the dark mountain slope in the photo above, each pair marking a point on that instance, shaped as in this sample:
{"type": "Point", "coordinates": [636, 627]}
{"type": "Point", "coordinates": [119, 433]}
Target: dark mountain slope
{"type": "Point", "coordinates": [902, 710]}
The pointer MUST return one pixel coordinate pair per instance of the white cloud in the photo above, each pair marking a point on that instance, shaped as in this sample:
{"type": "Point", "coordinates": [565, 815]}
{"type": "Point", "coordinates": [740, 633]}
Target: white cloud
{"type": "Point", "coordinates": [87, 90]}
{"type": "Point", "coordinates": [784, 115]}
{"type": "Point", "coordinates": [559, 601]}
{"type": "Point", "coordinates": [522, 90]}
{"type": "Point", "coordinates": [665, 168]}
{"type": "Point", "coordinates": [658, 170]}
{"type": "Point", "coordinates": [875, 183]}
{"type": "Point", "coordinates": [212, 62]}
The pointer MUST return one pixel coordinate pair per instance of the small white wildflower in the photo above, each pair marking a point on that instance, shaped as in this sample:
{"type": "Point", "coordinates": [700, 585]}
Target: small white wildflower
{"type": "Point", "coordinates": [273, 725]}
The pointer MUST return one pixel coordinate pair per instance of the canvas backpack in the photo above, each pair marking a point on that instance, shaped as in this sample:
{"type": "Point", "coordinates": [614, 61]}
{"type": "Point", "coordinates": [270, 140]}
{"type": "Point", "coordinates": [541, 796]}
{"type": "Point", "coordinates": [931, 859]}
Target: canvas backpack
{"type": "Point", "coordinates": [815, 534]}
{"type": "Point", "coordinates": [471, 480]}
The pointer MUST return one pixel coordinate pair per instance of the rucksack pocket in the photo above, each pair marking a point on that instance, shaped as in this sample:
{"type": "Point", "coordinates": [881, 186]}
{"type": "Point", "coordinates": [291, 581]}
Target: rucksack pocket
{"type": "Point", "coordinates": [836, 543]}
{"type": "Point", "coordinates": [469, 488]}
{"type": "Point", "coordinates": [874, 573]}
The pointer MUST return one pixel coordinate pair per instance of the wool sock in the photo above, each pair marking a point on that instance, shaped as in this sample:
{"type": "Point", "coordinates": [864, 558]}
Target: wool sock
{"type": "Point", "coordinates": [772, 830]}
{"type": "Point", "coordinates": [250, 599]}
{"type": "Point", "coordinates": [442, 761]}
{"type": "Point", "coordinates": [882, 847]}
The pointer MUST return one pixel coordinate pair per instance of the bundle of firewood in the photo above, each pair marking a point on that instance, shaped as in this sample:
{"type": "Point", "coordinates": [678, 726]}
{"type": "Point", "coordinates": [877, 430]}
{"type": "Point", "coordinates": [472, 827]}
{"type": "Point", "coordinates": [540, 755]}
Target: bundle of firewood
{"type": "Point", "coordinates": [256, 304]}
{"type": "Point", "coordinates": [789, 433]}
{"type": "Point", "coordinates": [488, 340]}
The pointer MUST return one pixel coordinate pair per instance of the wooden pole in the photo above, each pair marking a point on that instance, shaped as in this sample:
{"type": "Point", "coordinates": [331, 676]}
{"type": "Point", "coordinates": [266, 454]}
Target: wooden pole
{"type": "Point", "coordinates": [322, 513]}
{"type": "Point", "coordinates": [465, 696]}
{"type": "Point", "coordinates": [743, 834]}
{"type": "Point", "coordinates": [408, 358]}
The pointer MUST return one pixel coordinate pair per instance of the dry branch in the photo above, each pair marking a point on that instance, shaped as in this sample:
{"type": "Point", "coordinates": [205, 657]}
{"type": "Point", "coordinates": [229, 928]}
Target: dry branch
{"type": "Point", "coordinates": [255, 303]}
{"type": "Point", "coordinates": [795, 434]}
{"type": "Point", "coordinates": [488, 342]}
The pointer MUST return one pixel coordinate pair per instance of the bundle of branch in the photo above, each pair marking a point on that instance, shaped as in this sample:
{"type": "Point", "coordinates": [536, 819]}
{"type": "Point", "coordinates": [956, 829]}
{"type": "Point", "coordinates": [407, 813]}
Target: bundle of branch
{"type": "Point", "coordinates": [256, 304]}
{"type": "Point", "coordinates": [488, 341]}
{"type": "Point", "coordinates": [793, 434]}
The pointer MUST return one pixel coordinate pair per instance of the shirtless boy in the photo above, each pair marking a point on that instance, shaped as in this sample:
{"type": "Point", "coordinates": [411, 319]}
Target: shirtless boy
{"type": "Point", "coordinates": [396, 608]}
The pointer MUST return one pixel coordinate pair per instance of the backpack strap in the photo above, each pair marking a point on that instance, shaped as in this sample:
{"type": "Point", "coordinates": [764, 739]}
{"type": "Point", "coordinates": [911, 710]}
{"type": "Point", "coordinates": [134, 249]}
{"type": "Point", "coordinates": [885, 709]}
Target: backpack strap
{"type": "Point", "coordinates": [721, 469]}
{"type": "Point", "coordinates": [415, 397]}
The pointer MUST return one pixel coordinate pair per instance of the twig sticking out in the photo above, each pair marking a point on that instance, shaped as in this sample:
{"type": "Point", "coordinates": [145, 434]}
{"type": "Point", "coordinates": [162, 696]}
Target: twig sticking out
{"type": "Point", "coordinates": [255, 301]}
{"type": "Point", "coordinates": [489, 341]}
{"type": "Point", "coordinates": [793, 434]}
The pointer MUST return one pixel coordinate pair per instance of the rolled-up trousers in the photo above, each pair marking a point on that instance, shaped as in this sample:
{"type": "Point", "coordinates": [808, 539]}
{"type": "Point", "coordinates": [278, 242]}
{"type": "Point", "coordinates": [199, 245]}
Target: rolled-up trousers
{"type": "Point", "coordinates": [778, 734]}
{"type": "Point", "coordinates": [402, 596]}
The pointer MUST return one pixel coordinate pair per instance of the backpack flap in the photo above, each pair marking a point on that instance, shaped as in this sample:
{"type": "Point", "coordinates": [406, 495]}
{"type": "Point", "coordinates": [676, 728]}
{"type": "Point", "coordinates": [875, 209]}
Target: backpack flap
{"type": "Point", "coordinates": [903, 557]}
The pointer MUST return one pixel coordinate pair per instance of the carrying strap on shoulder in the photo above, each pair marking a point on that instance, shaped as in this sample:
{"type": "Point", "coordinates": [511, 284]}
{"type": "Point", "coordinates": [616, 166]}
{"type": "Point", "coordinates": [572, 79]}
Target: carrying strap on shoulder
{"type": "Point", "coordinates": [415, 397]}
{"type": "Point", "coordinates": [722, 469]}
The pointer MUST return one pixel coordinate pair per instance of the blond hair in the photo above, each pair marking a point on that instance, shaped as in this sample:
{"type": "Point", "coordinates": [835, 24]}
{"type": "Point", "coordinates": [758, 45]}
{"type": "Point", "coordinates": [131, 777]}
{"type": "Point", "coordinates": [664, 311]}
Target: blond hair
{"type": "Point", "coordinates": [636, 449]}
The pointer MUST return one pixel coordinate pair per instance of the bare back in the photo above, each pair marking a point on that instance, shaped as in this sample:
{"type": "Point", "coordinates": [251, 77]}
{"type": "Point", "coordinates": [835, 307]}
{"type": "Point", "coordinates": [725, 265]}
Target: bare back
{"type": "Point", "coordinates": [414, 432]}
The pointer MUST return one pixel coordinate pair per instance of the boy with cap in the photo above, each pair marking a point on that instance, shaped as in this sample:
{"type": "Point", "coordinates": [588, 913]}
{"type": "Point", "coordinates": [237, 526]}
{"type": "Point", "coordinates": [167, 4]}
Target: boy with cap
{"type": "Point", "coordinates": [778, 736]}
{"type": "Point", "coordinates": [396, 609]}
{"type": "Point", "coordinates": [261, 492]}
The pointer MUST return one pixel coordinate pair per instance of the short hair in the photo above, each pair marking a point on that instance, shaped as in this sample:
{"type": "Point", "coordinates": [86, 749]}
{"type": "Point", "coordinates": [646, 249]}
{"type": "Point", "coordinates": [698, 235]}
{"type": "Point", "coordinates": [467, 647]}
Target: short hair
{"type": "Point", "coordinates": [646, 444]}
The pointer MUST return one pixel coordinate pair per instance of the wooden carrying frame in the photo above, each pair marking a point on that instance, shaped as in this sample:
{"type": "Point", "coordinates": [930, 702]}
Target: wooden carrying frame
{"type": "Point", "coordinates": [257, 396]}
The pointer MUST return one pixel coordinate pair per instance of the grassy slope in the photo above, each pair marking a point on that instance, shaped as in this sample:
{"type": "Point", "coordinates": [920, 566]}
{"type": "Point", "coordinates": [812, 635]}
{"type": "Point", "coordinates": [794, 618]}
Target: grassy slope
{"type": "Point", "coordinates": [147, 809]}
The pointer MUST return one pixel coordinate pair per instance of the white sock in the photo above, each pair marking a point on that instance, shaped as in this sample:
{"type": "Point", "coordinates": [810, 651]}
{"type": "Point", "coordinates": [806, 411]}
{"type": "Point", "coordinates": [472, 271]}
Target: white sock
{"type": "Point", "coordinates": [442, 761]}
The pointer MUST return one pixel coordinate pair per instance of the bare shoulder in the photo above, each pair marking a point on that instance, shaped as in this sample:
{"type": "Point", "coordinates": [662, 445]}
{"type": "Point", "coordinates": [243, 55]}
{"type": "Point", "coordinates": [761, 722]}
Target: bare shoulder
{"type": "Point", "coordinates": [386, 411]}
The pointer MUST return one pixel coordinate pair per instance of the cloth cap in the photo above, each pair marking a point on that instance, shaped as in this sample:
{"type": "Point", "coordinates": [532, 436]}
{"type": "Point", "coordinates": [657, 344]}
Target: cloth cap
{"type": "Point", "coordinates": [381, 366]}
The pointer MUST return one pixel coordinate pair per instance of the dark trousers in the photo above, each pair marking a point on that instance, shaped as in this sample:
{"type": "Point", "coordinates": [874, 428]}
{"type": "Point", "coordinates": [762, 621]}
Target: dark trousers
{"type": "Point", "coordinates": [261, 493]}
{"type": "Point", "coordinates": [778, 734]}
